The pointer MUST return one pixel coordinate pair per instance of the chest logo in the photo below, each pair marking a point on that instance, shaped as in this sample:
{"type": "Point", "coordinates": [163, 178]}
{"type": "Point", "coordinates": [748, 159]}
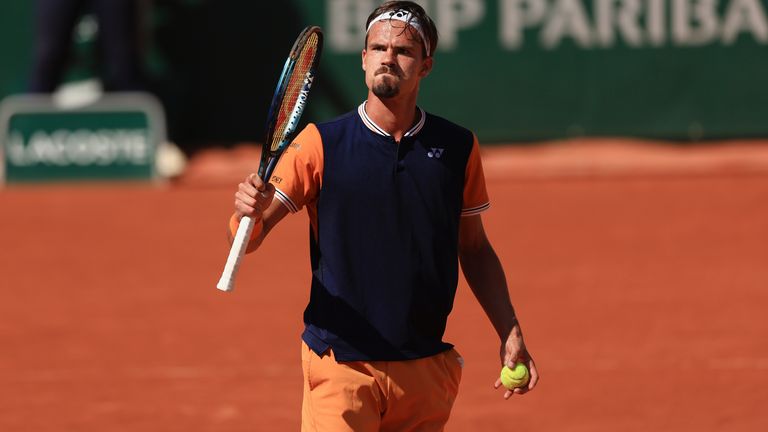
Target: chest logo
{"type": "Point", "coordinates": [435, 152]}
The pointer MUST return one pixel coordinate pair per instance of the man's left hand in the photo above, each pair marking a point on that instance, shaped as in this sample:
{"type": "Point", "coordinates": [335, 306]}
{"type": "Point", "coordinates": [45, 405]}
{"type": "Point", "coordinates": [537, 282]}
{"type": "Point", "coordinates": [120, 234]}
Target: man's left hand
{"type": "Point", "coordinates": [513, 350]}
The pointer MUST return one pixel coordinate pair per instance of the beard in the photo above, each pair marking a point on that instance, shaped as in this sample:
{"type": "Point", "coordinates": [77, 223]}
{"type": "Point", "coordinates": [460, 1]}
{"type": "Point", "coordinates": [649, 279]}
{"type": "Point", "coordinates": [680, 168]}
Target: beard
{"type": "Point", "coordinates": [385, 87]}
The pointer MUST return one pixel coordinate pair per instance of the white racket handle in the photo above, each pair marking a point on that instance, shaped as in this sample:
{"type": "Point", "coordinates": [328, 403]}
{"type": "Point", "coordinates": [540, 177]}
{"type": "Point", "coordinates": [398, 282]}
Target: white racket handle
{"type": "Point", "coordinates": [236, 252]}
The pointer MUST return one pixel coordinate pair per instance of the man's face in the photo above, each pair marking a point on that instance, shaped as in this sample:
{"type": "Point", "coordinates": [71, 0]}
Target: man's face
{"type": "Point", "coordinates": [393, 59]}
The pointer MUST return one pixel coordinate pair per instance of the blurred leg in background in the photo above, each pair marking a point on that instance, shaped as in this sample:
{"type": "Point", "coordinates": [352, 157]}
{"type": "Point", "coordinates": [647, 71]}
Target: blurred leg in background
{"type": "Point", "coordinates": [54, 23]}
{"type": "Point", "coordinates": [118, 39]}
{"type": "Point", "coordinates": [118, 44]}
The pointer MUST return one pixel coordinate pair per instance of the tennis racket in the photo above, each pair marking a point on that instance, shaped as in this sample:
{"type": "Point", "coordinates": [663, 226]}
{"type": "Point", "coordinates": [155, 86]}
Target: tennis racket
{"type": "Point", "coordinates": [288, 104]}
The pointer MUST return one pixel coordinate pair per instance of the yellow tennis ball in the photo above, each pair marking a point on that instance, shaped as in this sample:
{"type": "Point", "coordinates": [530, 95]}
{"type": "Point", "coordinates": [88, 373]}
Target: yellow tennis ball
{"type": "Point", "coordinates": [515, 377]}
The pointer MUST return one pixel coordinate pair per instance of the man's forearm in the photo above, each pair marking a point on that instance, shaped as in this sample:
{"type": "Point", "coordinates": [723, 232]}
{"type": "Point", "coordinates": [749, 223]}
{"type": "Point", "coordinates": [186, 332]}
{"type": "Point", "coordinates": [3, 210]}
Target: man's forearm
{"type": "Point", "coordinates": [486, 278]}
{"type": "Point", "coordinates": [274, 214]}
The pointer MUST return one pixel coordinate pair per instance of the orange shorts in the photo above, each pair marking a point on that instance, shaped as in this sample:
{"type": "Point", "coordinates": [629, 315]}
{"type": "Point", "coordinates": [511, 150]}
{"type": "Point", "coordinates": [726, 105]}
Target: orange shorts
{"type": "Point", "coordinates": [379, 395]}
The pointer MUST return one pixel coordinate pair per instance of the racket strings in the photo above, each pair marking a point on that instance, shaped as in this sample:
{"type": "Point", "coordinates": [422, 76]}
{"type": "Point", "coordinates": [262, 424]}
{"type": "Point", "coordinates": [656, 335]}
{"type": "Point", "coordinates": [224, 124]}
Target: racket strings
{"type": "Point", "coordinates": [304, 62]}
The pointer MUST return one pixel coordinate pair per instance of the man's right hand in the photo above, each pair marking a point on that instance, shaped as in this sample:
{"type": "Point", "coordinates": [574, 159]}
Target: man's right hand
{"type": "Point", "coordinates": [253, 196]}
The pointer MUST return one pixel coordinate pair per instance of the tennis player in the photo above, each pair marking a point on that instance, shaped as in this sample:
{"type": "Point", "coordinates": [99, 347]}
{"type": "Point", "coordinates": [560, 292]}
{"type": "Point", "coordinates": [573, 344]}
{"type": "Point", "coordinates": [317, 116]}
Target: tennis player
{"type": "Point", "coordinates": [394, 196]}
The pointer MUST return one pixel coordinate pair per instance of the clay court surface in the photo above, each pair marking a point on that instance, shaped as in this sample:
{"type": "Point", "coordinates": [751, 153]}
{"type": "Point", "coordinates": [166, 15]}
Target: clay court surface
{"type": "Point", "coordinates": [640, 274]}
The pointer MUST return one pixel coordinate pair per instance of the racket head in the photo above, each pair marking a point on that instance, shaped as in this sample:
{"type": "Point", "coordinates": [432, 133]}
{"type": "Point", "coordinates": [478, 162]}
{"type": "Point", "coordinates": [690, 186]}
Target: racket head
{"type": "Point", "coordinates": [289, 99]}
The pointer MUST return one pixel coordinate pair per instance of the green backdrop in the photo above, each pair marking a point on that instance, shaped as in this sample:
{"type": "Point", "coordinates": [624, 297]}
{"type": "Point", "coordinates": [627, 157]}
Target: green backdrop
{"type": "Point", "coordinates": [537, 69]}
{"type": "Point", "coordinates": [512, 70]}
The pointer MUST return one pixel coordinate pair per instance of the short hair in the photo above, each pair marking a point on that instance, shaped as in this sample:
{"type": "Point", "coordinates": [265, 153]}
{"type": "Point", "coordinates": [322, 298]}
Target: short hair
{"type": "Point", "coordinates": [417, 13]}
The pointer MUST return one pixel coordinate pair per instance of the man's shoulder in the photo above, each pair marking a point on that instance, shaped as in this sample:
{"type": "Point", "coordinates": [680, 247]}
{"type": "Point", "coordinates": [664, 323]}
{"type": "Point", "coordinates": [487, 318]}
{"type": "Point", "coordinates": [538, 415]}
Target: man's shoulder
{"type": "Point", "coordinates": [444, 127]}
{"type": "Point", "coordinates": [347, 118]}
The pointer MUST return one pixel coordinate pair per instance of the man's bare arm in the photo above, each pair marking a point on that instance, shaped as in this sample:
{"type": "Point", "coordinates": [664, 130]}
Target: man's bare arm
{"type": "Point", "coordinates": [486, 278]}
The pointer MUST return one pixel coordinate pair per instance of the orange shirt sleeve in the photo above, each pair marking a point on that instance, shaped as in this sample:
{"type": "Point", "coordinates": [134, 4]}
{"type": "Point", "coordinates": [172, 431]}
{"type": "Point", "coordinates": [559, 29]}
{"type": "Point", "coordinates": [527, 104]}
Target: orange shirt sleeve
{"type": "Point", "coordinates": [299, 173]}
{"type": "Point", "coordinates": [475, 194]}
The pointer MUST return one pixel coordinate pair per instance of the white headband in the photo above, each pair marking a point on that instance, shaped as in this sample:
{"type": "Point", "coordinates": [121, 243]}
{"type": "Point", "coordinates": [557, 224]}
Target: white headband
{"type": "Point", "coordinates": [406, 17]}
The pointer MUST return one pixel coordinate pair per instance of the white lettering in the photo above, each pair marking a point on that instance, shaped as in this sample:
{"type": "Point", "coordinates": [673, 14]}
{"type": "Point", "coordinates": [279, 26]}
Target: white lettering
{"type": "Point", "coordinates": [656, 22]}
{"type": "Point", "coordinates": [588, 23]}
{"type": "Point", "coordinates": [455, 15]}
{"type": "Point", "coordinates": [704, 14]}
{"type": "Point", "coordinates": [15, 147]}
{"type": "Point", "coordinates": [637, 22]}
{"type": "Point", "coordinates": [626, 20]}
{"type": "Point", "coordinates": [77, 147]}
{"type": "Point", "coordinates": [81, 147]}
{"type": "Point", "coordinates": [42, 147]}
{"type": "Point", "coordinates": [742, 16]}
{"type": "Point", "coordinates": [516, 16]}
{"type": "Point", "coordinates": [568, 19]}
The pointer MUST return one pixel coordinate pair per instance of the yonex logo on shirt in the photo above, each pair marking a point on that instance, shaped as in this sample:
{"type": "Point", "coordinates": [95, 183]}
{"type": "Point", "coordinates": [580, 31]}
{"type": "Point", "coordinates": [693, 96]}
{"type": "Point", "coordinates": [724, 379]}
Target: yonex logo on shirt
{"type": "Point", "coordinates": [435, 152]}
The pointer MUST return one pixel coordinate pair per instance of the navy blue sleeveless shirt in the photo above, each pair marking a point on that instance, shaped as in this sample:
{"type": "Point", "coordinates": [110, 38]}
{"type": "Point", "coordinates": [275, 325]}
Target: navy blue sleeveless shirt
{"type": "Point", "coordinates": [384, 245]}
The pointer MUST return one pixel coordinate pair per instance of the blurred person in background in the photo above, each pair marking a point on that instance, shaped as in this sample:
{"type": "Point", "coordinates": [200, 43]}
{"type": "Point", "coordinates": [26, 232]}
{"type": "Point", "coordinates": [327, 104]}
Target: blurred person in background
{"type": "Point", "coordinates": [394, 196]}
{"type": "Point", "coordinates": [118, 59]}
{"type": "Point", "coordinates": [118, 42]}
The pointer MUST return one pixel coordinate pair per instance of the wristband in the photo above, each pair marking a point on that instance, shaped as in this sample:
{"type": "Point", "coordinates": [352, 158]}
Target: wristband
{"type": "Point", "coordinates": [234, 223]}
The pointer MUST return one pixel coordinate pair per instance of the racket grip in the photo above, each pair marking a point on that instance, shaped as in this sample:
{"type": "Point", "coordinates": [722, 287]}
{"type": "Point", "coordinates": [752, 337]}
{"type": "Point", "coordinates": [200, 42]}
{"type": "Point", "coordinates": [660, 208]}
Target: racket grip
{"type": "Point", "coordinates": [236, 252]}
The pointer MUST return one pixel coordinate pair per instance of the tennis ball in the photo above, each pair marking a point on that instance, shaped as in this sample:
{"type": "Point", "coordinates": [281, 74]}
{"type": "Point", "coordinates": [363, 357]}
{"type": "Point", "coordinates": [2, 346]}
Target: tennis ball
{"type": "Point", "coordinates": [515, 377]}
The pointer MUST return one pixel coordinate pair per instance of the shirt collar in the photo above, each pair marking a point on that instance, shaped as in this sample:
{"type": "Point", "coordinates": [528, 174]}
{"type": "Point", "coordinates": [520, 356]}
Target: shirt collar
{"type": "Point", "coordinates": [377, 129]}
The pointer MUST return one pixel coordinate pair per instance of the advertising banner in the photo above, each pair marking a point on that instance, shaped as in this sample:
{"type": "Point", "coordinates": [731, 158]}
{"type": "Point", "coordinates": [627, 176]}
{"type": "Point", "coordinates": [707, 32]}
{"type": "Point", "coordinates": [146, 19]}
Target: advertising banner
{"type": "Point", "coordinates": [519, 70]}
{"type": "Point", "coordinates": [115, 138]}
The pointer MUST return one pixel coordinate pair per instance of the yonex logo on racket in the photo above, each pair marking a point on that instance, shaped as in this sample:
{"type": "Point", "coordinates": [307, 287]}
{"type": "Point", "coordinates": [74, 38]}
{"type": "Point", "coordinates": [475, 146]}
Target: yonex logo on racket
{"type": "Point", "coordinates": [300, 102]}
{"type": "Point", "coordinates": [435, 152]}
